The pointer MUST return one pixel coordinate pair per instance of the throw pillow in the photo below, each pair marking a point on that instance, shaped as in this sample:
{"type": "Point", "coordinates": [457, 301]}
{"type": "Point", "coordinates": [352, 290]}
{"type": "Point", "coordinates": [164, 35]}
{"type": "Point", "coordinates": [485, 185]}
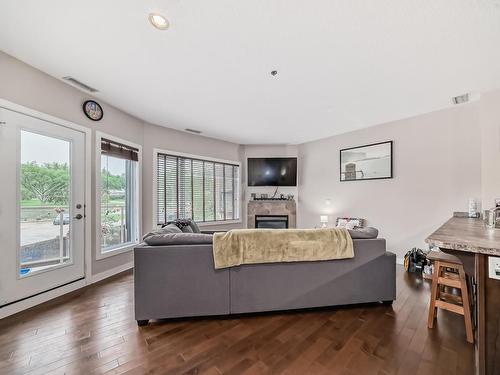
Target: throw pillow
{"type": "Point", "coordinates": [164, 239]}
{"type": "Point", "coordinates": [187, 229]}
{"type": "Point", "coordinates": [363, 233]}
{"type": "Point", "coordinates": [186, 225]}
{"type": "Point", "coordinates": [342, 222]}
{"type": "Point", "coordinates": [170, 228]}
{"type": "Point", "coordinates": [195, 227]}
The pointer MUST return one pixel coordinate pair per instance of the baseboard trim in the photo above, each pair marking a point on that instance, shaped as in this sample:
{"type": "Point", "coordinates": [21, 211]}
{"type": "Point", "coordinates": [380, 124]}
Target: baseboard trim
{"type": "Point", "coordinates": [113, 271]}
{"type": "Point", "coordinates": [45, 297]}
{"type": "Point", "coordinates": [39, 299]}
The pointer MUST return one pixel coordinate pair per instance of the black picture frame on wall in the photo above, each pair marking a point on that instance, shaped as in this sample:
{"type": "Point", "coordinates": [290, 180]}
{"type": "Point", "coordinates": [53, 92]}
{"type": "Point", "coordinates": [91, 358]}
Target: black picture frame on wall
{"type": "Point", "coordinates": [368, 162]}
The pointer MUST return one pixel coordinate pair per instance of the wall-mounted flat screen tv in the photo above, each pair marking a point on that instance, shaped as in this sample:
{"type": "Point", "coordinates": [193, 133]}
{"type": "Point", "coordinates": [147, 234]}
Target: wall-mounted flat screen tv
{"type": "Point", "coordinates": [272, 171]}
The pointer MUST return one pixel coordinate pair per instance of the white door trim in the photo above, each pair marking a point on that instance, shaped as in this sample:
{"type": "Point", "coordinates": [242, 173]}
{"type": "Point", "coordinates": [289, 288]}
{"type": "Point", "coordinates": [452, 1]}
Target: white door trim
{"type": "Point", "coordinates": [16, 307]}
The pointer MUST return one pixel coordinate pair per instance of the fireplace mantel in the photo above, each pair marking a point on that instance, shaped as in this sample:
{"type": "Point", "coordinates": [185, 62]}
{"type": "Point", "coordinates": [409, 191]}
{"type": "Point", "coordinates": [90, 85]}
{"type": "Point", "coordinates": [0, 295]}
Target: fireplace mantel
{"type": "Point", "coordinates": [272, 207]}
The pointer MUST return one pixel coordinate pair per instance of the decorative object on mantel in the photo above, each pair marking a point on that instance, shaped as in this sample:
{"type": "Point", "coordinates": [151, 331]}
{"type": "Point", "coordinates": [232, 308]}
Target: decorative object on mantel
{"type": "Point", "coordinates": [273, 199]}
{"type": "Point", "coordinates": [323, 219]}
{"type": "Point", "coordinates": [370, 162]}
{"type": "Point", "coordinates": [93, 110]}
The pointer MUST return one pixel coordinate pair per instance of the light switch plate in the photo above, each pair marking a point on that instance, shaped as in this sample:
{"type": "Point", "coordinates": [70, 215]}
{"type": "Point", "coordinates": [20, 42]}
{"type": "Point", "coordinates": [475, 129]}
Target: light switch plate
{"type": "Point", "coordinates": [494, 267]}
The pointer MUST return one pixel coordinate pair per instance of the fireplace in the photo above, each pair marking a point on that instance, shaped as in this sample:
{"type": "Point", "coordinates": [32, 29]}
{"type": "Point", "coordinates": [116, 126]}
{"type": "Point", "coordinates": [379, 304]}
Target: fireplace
{"type": "Point", "coordinates": [271, 221]}
{"type": "Point", "coordinates": [272, 214]}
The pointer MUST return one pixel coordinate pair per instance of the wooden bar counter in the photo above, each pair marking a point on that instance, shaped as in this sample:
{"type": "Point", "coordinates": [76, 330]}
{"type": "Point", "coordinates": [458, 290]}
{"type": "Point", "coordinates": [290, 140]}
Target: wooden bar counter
{"type": "Point", "coordinates": [474, 243]}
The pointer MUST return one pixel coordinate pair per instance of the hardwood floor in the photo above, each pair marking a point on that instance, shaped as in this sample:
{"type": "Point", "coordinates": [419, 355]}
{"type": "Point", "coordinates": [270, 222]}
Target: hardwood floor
{"type": "Point", "coordinates": [94, 332]}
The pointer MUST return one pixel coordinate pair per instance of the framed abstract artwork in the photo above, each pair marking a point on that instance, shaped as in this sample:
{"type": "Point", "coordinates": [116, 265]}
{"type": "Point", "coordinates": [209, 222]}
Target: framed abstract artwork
{"type": "Point", "coordinates": [369, 162]}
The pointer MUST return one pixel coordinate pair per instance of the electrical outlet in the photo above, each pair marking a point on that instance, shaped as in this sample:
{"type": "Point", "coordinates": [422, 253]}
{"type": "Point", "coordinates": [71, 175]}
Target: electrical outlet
{"type": "Point", "coordinates": [494, 267]}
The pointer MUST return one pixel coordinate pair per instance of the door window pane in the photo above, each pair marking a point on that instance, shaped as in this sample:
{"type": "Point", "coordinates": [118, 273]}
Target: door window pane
{"type": "Point", "coordinates": [45, 185]}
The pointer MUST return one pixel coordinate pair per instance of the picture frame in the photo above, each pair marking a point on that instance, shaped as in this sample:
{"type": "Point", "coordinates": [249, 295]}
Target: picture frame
{"type": "Point", "coordinates": [368, 162]}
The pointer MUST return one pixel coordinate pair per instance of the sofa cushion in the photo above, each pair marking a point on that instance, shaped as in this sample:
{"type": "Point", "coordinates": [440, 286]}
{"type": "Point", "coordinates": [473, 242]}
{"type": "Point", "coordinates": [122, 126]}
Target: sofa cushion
{"type": "Point", "coordinates": [170, 228]}
{"type": "Point", "coordinates": [363, 233]}
{"type": "Point", "coordinates": [187, 229]}
{"type": "Point", "coordinates": [159, 238]}
{"type": "Point", "coordinates": [195, 227]}
{"type": "Point", "coordinates": [185, 225]}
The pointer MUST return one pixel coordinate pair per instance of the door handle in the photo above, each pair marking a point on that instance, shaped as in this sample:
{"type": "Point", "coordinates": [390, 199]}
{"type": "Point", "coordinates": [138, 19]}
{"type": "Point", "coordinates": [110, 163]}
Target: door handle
{"type": "Point", "coordinates": [79, 216]}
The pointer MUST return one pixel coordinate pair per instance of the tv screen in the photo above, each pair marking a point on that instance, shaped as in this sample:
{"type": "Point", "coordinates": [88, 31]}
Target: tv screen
{"type": "Point", "coordinates": [272, 171]}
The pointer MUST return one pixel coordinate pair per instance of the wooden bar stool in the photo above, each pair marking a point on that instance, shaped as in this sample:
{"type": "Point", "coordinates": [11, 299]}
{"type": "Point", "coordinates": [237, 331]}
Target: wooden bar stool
{"type": "Point", "coordinates": [449, 273]}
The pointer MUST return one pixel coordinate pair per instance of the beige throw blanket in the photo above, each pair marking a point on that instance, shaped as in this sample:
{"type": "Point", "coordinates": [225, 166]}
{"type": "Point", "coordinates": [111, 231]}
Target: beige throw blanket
{"type": "Point", "coordinates": [248, 246]}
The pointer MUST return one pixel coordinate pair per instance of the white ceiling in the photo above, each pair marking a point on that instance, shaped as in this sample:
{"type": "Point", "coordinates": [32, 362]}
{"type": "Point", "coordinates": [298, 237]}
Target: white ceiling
{"type": "Point", "coordinates": [342, 65]}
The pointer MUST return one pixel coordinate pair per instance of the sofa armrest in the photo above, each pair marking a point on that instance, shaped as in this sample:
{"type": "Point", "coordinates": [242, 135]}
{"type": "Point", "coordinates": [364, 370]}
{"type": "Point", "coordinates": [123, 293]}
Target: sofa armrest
{"type": "Point", "coordinates": [178, 281]}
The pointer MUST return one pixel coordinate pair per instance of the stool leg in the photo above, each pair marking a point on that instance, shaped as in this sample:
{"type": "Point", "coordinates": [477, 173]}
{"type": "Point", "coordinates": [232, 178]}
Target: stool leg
{"type": "Point", "coordinates": [434, 291]}
{"type": "Point", "coordinates": [466, 305]}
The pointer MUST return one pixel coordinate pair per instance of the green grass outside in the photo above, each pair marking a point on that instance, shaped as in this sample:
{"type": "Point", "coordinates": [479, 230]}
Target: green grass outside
{"type": "Point", "coordinates": [35, 210]}
{"type": "Point", "coordinates": [36, 203]}
{"type": "Point", "coordinates": [39, 203]}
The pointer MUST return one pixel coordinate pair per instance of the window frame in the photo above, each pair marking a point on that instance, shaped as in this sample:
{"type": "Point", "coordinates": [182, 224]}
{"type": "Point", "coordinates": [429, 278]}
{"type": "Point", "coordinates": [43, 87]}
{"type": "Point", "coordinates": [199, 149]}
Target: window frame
{"type": "Point", "coordinates": [157, 151]}
{"type": "Point", "coordinates": [129, 246]}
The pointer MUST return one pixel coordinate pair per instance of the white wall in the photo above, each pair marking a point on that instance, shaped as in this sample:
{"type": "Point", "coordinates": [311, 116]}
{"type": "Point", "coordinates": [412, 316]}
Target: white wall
{"type": "Point", "coordinates": [264, 151]}
{"type": "Point", "coordinates": [27, 86]}
{"type": "Point", "coordinates": [437, 168]}
{"type": "Point", "coordinates": [489, 115]}
{"type": "Point", "coordinates": [173, 140]}
{"type": "Point", "coordinates": [438, 163]}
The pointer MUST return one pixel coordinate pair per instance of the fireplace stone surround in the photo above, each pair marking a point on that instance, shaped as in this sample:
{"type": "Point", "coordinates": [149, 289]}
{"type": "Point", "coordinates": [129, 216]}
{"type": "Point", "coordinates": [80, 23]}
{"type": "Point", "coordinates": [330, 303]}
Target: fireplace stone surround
{"type": "Point", "coordinates": [272, 208]}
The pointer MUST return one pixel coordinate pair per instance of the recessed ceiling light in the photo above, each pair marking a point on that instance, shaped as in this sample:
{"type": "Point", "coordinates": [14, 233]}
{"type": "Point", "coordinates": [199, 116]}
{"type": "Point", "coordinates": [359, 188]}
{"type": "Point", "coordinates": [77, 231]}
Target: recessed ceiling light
{"type": "Point", "coordinates": [158, 21]}
{"type": "Point", "coordinates": [274, 72]}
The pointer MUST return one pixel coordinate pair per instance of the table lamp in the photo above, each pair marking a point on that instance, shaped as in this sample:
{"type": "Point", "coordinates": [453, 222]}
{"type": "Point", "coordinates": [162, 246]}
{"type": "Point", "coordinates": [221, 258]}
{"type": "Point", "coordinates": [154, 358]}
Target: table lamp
{"type": "Point", "coordinates": [323, 220]}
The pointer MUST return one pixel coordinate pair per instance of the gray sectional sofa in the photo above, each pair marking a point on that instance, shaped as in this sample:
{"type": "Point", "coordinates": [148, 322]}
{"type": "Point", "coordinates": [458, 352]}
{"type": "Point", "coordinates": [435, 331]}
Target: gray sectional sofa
{"type": "Point", "coordinates": [173, 281]}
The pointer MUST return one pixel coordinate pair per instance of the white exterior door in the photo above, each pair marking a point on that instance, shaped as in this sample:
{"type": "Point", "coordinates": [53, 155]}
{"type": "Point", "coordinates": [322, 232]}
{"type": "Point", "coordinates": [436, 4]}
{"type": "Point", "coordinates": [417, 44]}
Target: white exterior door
{"type": "Point", "coordinates": [42, 206]}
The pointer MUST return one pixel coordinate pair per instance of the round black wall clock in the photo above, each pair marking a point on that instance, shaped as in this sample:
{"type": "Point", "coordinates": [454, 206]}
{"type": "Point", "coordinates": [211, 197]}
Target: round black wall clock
{"type": "Point", "coordinates": [93, 110]}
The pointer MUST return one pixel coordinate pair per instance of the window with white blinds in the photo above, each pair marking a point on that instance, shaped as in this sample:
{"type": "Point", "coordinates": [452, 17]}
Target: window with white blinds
{"type": "Point", "coordinates": [197, 189]}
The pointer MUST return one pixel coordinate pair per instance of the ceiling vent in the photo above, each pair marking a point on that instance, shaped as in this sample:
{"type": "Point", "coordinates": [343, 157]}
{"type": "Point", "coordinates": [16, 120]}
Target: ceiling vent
{"type": "Point", "coordinates": [193, 131]}
{"type": "Point", "coordinates": [460, 99]}
{"type": "Point", "coordinates": [78, 84]}
{"type": "Point", "coordinates": [466, 98]}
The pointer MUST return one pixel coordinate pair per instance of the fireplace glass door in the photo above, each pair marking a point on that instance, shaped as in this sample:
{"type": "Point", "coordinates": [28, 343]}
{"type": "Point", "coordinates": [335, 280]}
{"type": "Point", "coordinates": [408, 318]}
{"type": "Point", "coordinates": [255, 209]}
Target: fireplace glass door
{"type": "Point", "coordinates": [271, 221]}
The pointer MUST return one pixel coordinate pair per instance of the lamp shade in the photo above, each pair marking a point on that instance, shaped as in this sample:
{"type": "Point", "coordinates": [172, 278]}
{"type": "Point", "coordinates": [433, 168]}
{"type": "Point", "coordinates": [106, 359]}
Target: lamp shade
{"type": "Point", "coordinates": [323, 219]}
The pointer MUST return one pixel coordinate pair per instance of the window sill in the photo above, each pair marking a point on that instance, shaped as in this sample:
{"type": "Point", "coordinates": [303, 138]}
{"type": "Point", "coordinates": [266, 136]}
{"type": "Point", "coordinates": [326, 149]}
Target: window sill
{"type": "Point", "coordinates": [116, 251]}
{"type": "Point", "coordinates": [223, 222]}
